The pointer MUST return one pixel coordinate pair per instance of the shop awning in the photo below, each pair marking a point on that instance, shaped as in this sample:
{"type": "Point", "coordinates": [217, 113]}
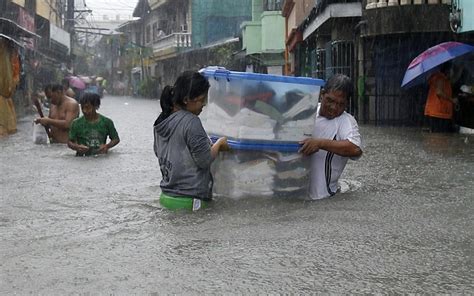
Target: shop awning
{"type": "Point", "coordinates": [11, 28]}
{"type": "Point", "coordinates": [11, 39]}
{"type": "Point", "coordinates": [336, 10]}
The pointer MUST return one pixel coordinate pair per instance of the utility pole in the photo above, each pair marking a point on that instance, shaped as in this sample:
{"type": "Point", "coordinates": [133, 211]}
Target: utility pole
{"type": "Point", "coordinates": [70, 27]}
{"type": "Point", "coordinates": [143, 13]}
{"type": "Point", "coordinates": [112, 71]}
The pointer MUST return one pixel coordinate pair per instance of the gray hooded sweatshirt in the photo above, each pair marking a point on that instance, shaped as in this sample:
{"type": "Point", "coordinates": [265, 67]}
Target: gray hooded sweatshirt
{"type": "Point", "coordinates": [184, 154]}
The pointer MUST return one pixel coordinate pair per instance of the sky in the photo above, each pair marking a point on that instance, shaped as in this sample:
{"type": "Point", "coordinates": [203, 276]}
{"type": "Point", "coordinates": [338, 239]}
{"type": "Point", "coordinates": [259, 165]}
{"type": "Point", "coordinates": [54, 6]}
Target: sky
{"type": "Point", "coordinates": [111, 8]}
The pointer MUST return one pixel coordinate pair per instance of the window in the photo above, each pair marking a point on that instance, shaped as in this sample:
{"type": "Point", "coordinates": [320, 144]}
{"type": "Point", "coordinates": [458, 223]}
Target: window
{"type": "Point", "coordinates": [163, 25]}
{"type": "Point", "coordinates": [272, 5]}
{"type": "Point", "coordinates": [30, 5]}
{"type": "Point", "coordinates": [320, 67]}
{"type": "Point", "coordinates": [155, 31]}
{"type": "Point", "coordinates": [138, 38]}
{"type": "Point", "coordinates": [148, 34]}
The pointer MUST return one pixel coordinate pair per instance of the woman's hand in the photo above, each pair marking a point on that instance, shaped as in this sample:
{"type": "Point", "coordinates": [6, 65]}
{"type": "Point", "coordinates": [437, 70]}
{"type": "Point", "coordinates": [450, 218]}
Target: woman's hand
{"type": "Point", "coordinates": [222, 144]}
{"type": "Point", "coordinates": [219, 145]}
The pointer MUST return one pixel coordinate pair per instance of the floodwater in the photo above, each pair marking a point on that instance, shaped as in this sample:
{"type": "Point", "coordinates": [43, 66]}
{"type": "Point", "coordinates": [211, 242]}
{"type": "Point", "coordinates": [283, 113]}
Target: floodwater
{"type": "Point", "coordinates": [90, 225]}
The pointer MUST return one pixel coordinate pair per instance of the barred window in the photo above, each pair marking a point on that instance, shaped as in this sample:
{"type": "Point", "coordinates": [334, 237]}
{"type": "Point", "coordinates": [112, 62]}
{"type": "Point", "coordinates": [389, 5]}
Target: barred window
{"type": "Point", "coordinates": [272, 5]}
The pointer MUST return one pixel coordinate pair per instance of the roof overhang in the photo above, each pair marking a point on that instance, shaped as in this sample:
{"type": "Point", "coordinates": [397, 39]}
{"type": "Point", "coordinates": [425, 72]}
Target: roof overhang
{"type": "Point", "coordinates": [337, 10]}
{"type": "Point", "coordinates": [10, 27]}
{"type": "Point", "coordinates": [11, 39]}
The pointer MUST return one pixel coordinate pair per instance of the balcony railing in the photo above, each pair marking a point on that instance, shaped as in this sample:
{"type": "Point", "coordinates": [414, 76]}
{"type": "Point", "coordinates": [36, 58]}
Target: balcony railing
{"type": "Point", "coordinates": [174, 40]}
{"type": "Point", "coordinates": [384, 3]}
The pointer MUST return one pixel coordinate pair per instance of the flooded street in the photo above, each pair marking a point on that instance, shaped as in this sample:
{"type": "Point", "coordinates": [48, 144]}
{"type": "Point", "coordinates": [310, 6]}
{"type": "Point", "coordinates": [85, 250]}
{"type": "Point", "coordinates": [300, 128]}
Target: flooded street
{"type": "Point", "coordinates": [74, 225]}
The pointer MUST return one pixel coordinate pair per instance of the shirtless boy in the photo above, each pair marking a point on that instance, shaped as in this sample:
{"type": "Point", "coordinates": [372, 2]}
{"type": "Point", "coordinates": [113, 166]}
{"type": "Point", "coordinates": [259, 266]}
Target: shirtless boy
{"type": "Point", "coordinates": [62, 112]}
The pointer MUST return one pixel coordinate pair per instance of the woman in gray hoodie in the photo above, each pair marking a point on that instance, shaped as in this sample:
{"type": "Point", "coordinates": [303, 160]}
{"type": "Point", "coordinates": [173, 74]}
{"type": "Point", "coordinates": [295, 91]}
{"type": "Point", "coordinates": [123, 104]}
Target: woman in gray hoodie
{"type": "Point", "coordinates": [183, 148]}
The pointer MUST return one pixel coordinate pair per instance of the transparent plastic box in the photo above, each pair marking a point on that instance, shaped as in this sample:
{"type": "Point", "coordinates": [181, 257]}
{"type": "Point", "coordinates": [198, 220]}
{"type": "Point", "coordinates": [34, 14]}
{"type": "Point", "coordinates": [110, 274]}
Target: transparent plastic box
{"type": "Point", "coordinates": [264, 117]}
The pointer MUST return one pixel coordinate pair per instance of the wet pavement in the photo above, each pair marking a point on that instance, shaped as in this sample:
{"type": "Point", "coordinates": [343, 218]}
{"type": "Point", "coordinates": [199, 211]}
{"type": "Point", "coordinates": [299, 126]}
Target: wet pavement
{"type": "Point", "coordinates": [73, 225]}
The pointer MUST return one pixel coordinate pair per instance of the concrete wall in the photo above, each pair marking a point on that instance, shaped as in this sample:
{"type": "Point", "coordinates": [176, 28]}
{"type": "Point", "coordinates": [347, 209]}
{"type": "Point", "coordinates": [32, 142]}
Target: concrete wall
{"type": "Point", "coordinates": [168, 70]}
{"type": "Point", "coordinates": [273, 31]}
{"type": "Point", "coordinates": [43, 8]}
{"type": "Point", "coordinates": [215, 20]}
{"type": "Point", "coordinates": [19, 2]}
{"type": "Point", "coordinates": [257, 9]}
{"type": "Point", "coordinates": [467, 8]}
{"type": "Point", "coordinates": [252, 37]}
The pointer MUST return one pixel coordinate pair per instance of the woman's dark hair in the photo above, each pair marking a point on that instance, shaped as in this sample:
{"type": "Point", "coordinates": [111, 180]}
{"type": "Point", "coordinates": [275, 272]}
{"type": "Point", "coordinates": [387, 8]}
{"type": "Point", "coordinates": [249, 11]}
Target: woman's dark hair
{"type": "Point", "coordinates": [91, 98]}
{"type": "Point", "coordinates": [57, 87]}
{"type": "Point", "coordinates": [339, 82]}
{"type": "Point", "coordinates": [188, 86]}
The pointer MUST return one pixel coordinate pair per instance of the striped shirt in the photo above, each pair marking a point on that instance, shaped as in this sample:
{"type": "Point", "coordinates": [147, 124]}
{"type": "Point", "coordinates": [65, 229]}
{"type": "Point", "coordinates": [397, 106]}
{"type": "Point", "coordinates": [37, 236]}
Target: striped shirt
{"type": "Point", "coordinates": [327, 167]}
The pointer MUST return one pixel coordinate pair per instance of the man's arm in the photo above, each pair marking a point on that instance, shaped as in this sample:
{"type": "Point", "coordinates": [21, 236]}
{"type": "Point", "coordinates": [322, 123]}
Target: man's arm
{"type": "Point", "coordinates": [342, 147]}
{"type": "Point", "coordinates": [104, 148]}
{"type": "Point", "coordinates": [71, 113]}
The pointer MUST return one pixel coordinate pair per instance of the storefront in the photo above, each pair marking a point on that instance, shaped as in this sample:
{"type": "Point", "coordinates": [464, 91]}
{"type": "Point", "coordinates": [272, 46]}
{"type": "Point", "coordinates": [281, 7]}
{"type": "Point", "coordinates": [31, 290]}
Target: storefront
{"type": "Point", "coordinates": [10, 65]}
{"type": "Point", "coordinates": [11, 61]}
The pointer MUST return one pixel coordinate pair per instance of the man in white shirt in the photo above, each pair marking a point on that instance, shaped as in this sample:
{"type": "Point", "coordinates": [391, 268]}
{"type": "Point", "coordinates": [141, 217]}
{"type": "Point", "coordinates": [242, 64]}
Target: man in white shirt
{"type": "Point", "coordinates": [335, 139]}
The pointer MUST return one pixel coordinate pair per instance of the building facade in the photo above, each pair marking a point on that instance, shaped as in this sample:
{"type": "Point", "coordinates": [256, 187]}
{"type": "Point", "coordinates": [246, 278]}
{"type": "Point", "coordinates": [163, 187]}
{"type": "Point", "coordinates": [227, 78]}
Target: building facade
{"type": "Point", "coordinates": [373, 41]}
{"type": "Point", "coordinates": [187, 34]}
{"type": "Point", "coordinates": [45, 46]}
{"type": "Point", "coordinates": [392, 35]}
{"type": "Point", "coordinates": [263, 38]}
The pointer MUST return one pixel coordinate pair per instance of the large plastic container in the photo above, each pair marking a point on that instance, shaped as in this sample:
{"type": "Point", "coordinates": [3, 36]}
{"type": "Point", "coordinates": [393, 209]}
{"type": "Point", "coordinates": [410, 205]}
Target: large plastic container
{"type": "Point", "coordinates": [264, 117]}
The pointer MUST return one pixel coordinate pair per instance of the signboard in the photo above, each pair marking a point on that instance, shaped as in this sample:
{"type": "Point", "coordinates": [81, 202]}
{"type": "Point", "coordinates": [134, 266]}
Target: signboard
{"type": "Point", "coordinates": [59, 35]}
{"type": "Point", "coordinates": [27, 21]}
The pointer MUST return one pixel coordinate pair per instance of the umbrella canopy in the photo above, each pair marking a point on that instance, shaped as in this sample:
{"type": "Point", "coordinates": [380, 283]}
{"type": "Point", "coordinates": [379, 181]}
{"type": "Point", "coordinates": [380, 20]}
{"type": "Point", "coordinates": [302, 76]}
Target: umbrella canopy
{"type": "Point", "coordinates": [85, 79]}
{"type": "Point", "coordinates": [76, 82]}
{"type": "Point", "coordinates": [427, 61]}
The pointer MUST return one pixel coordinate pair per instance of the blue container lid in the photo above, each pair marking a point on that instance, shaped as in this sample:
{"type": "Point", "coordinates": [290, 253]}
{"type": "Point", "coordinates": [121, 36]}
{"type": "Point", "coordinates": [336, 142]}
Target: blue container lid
{"type": "Point", "coordinates": [220, 72]}
{"type": "Point", "coordinates": [261, 145]}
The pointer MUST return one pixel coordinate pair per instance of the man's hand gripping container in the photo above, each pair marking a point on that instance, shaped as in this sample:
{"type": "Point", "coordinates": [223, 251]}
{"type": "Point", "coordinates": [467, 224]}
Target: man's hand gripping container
{"type": "Point", "coordinates": [264, 117]}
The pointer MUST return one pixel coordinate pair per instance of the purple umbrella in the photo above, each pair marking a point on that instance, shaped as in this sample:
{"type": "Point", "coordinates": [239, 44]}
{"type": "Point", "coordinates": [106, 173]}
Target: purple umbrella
{"type": "Point", "coordinates": [76, 82]}
{"type": "Point", "coordinates": [427, 61]}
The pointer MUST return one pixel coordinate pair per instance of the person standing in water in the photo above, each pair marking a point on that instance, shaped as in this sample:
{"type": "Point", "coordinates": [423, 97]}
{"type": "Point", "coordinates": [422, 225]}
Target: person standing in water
{"type": "Point", "coordinates": [183, 148]}
{"type": "Point", "coordinates": [62, 112]}
{"type": "Point", "coordinates": [439, 108]}
{"type": "Point", "coordinates": [88, 134]}
{"type": "Point", "coordinates": [336, 138]}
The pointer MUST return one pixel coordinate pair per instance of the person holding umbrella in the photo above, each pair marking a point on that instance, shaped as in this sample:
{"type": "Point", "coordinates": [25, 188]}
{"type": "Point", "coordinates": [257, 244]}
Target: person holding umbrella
{"type": "Point", "coordinates": [432, 63]}
{"type": "Point", "coordinates": [439, 107]}
{"type": "Point", "coordinates": [77, 86]}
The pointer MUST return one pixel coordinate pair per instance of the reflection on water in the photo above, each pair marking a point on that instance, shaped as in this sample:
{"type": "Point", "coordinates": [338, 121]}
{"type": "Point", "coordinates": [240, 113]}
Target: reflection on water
{"type": "Point", "coordinates": [86, 225]}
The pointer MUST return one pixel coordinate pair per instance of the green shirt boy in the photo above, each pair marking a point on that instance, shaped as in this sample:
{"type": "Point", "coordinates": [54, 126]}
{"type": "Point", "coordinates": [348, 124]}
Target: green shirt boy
{"type": "Point", "coordinates": [88, 133]}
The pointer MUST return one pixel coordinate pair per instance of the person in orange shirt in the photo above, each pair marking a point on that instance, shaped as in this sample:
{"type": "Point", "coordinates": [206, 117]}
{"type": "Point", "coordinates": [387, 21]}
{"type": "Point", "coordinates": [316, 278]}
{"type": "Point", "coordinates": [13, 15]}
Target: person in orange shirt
{"type": "Point", "coordinates": [439, 108]}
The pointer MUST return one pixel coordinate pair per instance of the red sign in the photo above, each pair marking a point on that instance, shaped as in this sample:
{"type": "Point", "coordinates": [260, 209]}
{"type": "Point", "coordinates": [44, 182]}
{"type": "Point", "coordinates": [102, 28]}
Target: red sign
{"type": "Point", "coordinates": [27, 21]}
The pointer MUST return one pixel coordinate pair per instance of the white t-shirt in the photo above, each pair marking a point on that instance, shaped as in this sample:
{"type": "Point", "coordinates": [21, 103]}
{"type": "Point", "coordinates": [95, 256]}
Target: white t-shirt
{"type": "Point", "coordinates": [327, 167]}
